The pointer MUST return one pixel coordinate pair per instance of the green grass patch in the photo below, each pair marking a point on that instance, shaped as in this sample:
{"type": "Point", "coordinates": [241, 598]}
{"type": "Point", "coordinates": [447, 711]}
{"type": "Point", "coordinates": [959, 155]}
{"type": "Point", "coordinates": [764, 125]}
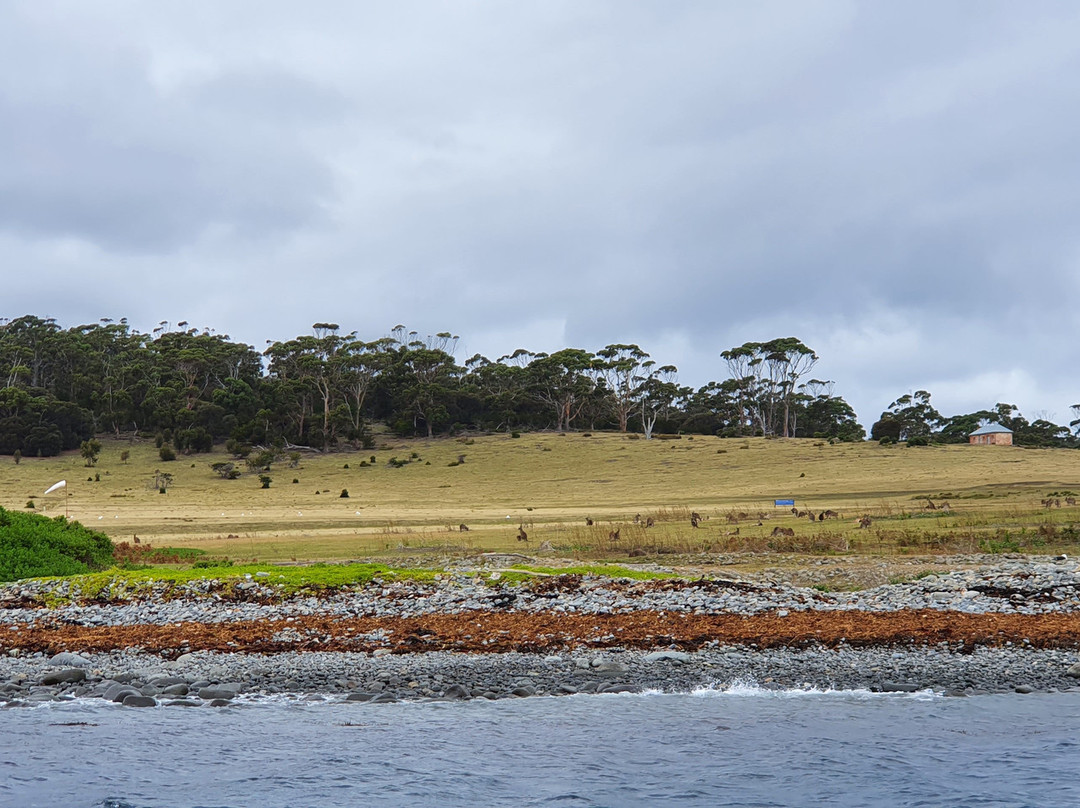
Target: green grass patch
{"type": "Point", "coordinates": [119, 583]}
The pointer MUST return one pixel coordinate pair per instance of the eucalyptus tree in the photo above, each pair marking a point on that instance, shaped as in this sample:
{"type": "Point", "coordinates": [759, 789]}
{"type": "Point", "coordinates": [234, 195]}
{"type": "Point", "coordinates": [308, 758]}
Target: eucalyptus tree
{"type": "Point", "coordinates": [655, 393]}
{"type": "Point", "coordinates": [501, 388]}
{"type": "Point", "coordinates": [623, 369]}
{"type": "Point", "coordinates": [423, 377]}
{"type": "Point", "coordinates": [767, 376]}
{"type": "Point", "coordinates": [563, 382]}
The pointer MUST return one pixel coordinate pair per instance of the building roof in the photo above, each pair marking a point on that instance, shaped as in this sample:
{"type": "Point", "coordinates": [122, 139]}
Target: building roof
{"type": "Point", "coordinates": [991, 429]}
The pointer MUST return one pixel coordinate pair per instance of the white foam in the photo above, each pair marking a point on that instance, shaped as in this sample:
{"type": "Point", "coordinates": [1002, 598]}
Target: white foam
{"type": "Point", "coordinates": [749, 688]}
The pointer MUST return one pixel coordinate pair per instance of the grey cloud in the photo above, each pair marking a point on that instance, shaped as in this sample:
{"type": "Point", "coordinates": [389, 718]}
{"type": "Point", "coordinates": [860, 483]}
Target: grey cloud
{"type": "Point", "coordinates": [693, 175]}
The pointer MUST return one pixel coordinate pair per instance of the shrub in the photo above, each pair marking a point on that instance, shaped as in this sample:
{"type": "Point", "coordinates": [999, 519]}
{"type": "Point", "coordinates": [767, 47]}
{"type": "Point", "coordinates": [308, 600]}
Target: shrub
{"type": "Point", "coordinates": [16, 456]}
{"type": "Point", "coordinates": [265, 480]}
{"type": "Point", "coordinates": [166, 452]}
{"type": "Point", "coordinates": [886, 441]}
{"type": "Point", "coordinates": [515, 434]}
{"type": "Point", "coordinates": [237, 448]}
{"type": "Point", "coordinates": [30, 504]}
{"type": "Point", "coordinates": [918, 440]}
{"type": "Point", "coordinates": [33, 545]}
{"type": "Point", "coordinates": [344, 493]}
{"type": "Point", "coordinates": [90, 449]}
{"type": "Point", "coordinates": [124, 455]}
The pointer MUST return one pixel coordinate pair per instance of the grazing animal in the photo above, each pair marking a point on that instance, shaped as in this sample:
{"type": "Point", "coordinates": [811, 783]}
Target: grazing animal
{"type": "Point", "coordinates": [866, 521]}
{"type": "Point", "coordinates": [136, 538]}
{"type": "Point", "coordinates": [463, 528]}
{"type": "Point", "coordinates": [945, 506]}
{"type": "Point", "coordinates": [783, 531]}
{"type": "Point", "coordinates": [614, 535]}
{"type": "Point", "coordinates": [522, 535]}
{"type": "Point", "coordinates": [831, 514]}
{"type": "Point", "coordinates": [811, 517]}
{"type": "Point", "coordinates": [734, 532]}
{"type": "Point", "coordinates": [1057, 503]}
{"type": "Point", "coordinates": [588, 522]}
{"type": "Point", "coordinates": [637, 519]}
{"type": "Point", "coordinates": [1070, 500]}
{"type": "Point", "coordinates": [821, 516]}
{"type": "Point", "coordinates": [695, 520]}
{"type": "Point", "coordinates": [930, 506]}
{"type": "Point", "coordinates": [649, 521]}
{"type": "Point", "coordinates": [795, 511]}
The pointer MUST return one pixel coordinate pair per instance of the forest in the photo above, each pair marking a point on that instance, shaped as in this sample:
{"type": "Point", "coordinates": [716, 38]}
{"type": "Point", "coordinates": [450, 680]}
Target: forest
{"type": "Point", "coordinates": [193, 388]}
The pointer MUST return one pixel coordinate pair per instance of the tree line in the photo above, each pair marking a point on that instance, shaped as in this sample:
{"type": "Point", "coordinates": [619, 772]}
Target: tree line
{"type": "Point", "coordinates": [194, 388]}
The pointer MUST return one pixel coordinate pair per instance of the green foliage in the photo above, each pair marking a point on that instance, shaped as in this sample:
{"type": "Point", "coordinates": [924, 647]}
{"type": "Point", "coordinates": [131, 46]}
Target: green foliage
{"type": "Point", "coordinates": [205, 564]}
{"type": "Point", "coordinates": [225, 470]}
{"type": "Point", "coordinates": [918, 440]}
{"type": "Point", "coordinates": [33, 545]}
{"type": "Point", "coordinates": [90, 449]}
{"type": "Point", "coordinates": [265, 479]}
{"type": "Point", "coordinates": [344, 493]}
{"type": "Point", "coordinates": [167, 453]}
{"type": "Point", "coordinates": [17, 456]}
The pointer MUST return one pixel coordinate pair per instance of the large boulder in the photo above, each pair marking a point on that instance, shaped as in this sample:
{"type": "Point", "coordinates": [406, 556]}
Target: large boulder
{"type": "Point", "coordinates": [65, 676]}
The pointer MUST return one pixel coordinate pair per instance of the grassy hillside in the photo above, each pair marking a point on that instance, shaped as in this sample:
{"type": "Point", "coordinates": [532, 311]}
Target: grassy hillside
{"type": "Point", "coordinates": [551, 483]}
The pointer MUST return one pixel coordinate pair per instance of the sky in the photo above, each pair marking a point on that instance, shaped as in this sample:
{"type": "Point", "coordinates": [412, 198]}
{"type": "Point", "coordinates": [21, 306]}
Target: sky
{"type": "Point", "coordinates": [895, 184]}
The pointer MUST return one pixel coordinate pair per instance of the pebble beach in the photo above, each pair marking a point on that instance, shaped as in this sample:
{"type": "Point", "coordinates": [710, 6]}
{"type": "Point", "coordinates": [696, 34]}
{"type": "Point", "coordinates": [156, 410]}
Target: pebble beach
{"type": "Point", "coordinates": [1002, 626]}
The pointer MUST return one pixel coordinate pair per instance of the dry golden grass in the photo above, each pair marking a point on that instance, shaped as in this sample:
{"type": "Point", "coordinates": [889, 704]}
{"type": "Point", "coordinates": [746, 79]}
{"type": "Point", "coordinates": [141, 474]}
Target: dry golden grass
{"type": "Point", "coordinates": [551, 483]}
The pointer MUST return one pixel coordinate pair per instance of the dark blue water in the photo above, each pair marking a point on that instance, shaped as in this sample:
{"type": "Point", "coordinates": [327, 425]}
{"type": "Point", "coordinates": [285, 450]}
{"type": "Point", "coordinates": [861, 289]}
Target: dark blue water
{"type": "Point", "coordinates": [744, 747]}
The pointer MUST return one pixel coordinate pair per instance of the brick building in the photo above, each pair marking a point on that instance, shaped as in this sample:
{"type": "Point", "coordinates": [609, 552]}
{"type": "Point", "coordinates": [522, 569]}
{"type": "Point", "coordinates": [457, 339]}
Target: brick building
{"type": "Point", "coordinates": [991, 435]}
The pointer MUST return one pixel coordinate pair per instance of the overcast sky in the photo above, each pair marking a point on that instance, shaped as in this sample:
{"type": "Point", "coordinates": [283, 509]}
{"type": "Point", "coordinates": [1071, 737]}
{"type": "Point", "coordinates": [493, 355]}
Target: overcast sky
{"type": "Point", "coordinates": [897, 184]}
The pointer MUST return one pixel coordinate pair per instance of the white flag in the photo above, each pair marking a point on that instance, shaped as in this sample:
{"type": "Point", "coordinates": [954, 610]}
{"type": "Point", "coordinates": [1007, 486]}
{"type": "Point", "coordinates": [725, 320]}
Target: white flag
{"type": "Point", "coordinates": [55, 487]}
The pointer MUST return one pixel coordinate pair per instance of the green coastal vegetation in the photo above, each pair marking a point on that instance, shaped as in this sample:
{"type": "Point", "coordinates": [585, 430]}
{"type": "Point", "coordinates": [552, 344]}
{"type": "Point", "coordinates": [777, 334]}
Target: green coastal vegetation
{"type": "Point", "coordinates": [32, 546]}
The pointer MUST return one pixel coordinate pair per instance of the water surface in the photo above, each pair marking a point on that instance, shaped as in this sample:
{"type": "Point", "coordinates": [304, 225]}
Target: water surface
{"type": "Point", "coordinates": [743, 747]}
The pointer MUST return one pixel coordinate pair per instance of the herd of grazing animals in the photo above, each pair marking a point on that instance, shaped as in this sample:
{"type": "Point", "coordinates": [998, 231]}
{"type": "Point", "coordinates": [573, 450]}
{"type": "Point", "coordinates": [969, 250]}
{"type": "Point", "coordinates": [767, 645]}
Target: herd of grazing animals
{"type": "Point", "coordinates": [734, 517]}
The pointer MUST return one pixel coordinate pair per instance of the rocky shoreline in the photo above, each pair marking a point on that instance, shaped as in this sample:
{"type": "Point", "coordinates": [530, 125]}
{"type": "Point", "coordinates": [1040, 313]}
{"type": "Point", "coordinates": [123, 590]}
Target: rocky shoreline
{"type": "Point", "coordinates": [1005, 627]}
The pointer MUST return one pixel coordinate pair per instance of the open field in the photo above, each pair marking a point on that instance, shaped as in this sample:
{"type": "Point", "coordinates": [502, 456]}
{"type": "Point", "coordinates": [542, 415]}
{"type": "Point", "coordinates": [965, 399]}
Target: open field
{"type": "Point", "coordinates": [550, 484]}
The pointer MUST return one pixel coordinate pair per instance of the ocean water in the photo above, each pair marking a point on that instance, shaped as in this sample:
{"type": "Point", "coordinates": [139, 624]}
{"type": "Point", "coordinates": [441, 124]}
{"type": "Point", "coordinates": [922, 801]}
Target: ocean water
{"type": "Point", "coordinates": [738, 747]}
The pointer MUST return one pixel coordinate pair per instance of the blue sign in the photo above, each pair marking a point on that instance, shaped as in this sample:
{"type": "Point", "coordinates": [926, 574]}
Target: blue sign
{"type": "Point", "coordinates": [779, 502]}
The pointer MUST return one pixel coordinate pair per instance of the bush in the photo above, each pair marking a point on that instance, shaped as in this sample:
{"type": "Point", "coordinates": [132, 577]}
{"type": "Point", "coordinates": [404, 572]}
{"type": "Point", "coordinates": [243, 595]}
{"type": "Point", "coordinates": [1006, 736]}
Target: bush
{"type": "Point", "coordinates": [515, 434]}
{"type": "Point", "coordinates": [886, 441]}
{"type": "Point", "coordinates": [344, 493]}
{"type": "Point", "coordinates": [196, 439]}
{"type": "Point", "coordinates": [166, 452]}
{"type": "Point", "coordinates": [265, 480]}
{"type": "Point", "coordinates": [32, 545]}
{"type": "Point", "coordinates": [918, 440]}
